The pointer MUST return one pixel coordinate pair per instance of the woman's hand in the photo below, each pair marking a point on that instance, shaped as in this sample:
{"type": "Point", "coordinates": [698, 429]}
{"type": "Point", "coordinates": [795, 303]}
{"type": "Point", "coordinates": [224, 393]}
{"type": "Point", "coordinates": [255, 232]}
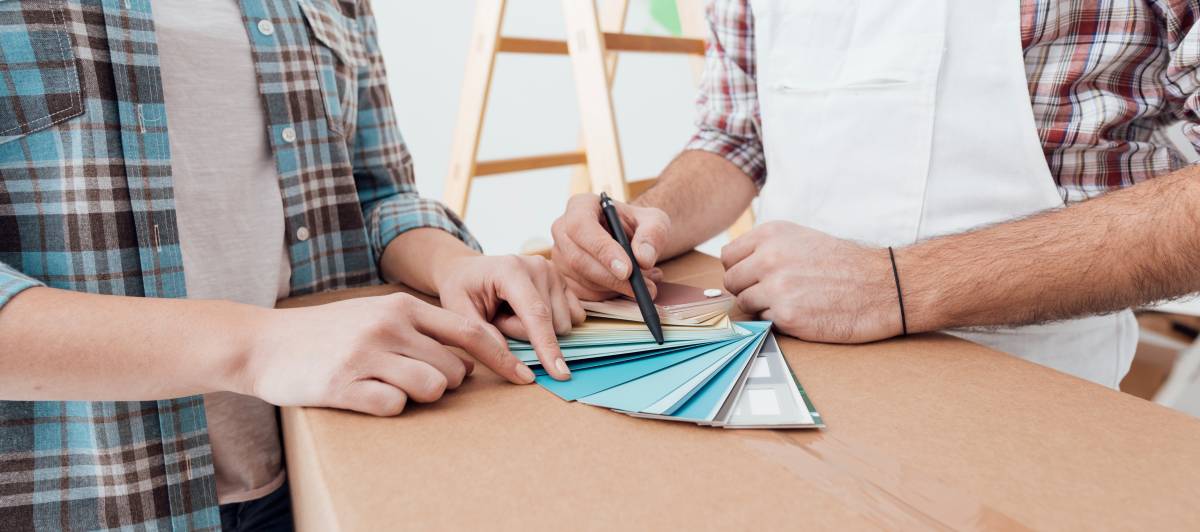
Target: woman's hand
{"type": "Point", "coordinates": [521, 296]}
{"type": "Point", "coordinates": [370, 355]}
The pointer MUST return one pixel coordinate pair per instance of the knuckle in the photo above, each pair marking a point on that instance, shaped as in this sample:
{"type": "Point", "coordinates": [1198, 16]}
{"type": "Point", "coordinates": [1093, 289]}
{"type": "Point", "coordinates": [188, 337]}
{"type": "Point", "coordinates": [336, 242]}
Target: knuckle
{"type": "Point", "coordinates": [513, 262]}
{"type": "Point", "coordinates": [470, 330]}
{"type": "Point", "coordinates": [538, 262]}
{"type": "Point", "coordinates": [614, 284]}
{"type": "Point", "coordinates": [562, 328]}
{"type": "Point", "coordinates": [403, 302]}
{"type": "Point", "coordinates": [376, 328]}
{"type": "Point", "coordinates": [576, 262]}
{"type": "Point", "coordinates": [389, 405]}
{"type": "Point", "coordinates": [457, 374]}
{"type": "Point", "coordinates": [538, 310]}
{"type": "Point", "coordinates": [788, 316]}
{"type": "Point", "coordinates": [767, 259]}
{"type": "Point", "coordinates": [337, 383]}
{"type": "Point", "coordinates": [433, 386]}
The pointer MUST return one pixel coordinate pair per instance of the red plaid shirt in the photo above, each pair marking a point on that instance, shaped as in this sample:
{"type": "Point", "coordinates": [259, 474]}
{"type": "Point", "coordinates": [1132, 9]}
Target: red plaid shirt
{"type": "Point", "coordinates": [1106, 77]}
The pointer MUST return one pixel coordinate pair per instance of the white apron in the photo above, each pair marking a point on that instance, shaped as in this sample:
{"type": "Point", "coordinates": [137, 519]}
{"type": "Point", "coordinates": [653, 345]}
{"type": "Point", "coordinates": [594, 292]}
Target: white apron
{"type": "Point", "coordinates": [890, 122]}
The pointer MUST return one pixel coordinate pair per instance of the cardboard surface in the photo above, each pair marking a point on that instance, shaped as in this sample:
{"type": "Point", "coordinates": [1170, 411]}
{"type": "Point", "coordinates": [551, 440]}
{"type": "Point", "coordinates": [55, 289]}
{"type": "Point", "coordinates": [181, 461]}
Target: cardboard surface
{"type": "Point", "coordinates": [927, 432]}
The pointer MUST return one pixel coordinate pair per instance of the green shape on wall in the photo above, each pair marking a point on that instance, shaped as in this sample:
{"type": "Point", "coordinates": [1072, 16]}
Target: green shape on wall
{"type": "Point", "coordinates": [666, 15]}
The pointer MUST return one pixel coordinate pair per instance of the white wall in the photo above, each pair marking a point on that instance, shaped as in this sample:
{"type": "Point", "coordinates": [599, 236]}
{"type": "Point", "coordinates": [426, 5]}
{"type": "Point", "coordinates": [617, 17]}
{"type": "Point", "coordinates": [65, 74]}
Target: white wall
{"type": "Point", "coordinates": [532, 108]}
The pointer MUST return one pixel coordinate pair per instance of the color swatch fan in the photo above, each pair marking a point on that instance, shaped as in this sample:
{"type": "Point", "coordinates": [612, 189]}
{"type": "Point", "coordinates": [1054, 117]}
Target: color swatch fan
{"type": "Point", "coordinates": [717, 372]}
{"type": "Point", "coordinates": [677, 304]}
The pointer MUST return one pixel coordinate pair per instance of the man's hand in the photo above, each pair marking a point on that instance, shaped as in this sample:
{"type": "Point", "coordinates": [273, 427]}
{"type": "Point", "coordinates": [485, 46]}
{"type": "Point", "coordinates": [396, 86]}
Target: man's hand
{"type": "Point", "coordinates": [370, 355]}
{"type": "Point", "coordinates": [596, 267]}
{"type": "Point", "coordinates": [813, 286]}
{"type": "Point", "coordinates": [522, 296]}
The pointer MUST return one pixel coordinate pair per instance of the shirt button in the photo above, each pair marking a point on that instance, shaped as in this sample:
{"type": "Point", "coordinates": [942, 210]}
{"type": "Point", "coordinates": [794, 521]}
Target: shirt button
{"type": "Point", "coordinates": [288, 134]}
{"type": "Point", "coordinates": [302, 234]}
{"type": "Point", "coordinates": [266, 27]}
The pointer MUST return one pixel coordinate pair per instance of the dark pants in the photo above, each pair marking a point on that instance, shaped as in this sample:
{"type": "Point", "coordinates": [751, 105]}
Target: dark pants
{"type": "Point", "coordinates": [272, 513]}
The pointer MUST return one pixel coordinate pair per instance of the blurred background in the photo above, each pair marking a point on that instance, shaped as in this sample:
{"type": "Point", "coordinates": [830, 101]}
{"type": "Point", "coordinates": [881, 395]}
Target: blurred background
{"type": "Point", "coordinates": [532, 108]}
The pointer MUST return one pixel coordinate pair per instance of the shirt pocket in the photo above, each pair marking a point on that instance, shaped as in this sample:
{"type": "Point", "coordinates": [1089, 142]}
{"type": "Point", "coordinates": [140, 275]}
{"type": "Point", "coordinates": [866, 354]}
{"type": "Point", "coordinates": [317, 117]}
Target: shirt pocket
{"type": "Point", "coordinates": [39, 80]}
{"type": "Point", "coordinates": [339, 52]}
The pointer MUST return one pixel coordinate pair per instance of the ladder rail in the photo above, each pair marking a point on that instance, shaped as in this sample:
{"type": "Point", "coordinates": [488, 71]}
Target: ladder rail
{"type": "Point", "coordinates": [595, 35]}
{"type": "Point", "coordinates": [472, 105]}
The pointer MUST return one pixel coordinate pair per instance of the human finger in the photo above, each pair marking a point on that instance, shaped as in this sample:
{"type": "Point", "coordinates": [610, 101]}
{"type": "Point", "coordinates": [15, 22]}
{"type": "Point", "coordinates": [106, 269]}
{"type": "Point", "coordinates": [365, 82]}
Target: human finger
{"type": "Point", "coordinates": [587, 270]}
{"type": "Point", "coordinates": [754, 299]}
{"type": "Point", "coordinates": [741, 247]}
{"type": "Point", "coordinates": [654, 274]}
{"type": "Point", "coordinates": [651, 228]}
{"type": "Point", "coordinates": [537, 319]}
{"type": "Point", "coordinates": [742, 275]}
{"type": "Point", "coordinates": [472, 336]}
{"type": "Point", "coordinates": [578, 314]}
{"type": "Point", "coordinates": [430, 352]}
{"type": "Point", "coordinates": [583, 226]}
{"type": "Point", "coordinates": [556, 293]}
{"type": "Point", "coordinates": [419, 380]}
{"type": "Point", "coordinates": [373, 397]}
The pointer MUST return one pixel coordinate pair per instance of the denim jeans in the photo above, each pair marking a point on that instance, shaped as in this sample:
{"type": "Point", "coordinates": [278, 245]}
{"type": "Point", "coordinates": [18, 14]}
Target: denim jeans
{"type": "Point", "coordinates": [271, 513]}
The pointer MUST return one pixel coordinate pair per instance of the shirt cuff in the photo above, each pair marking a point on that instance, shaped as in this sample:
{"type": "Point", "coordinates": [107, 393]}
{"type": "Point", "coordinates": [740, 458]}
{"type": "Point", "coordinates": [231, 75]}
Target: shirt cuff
{"type": "Point", "coordinates": [394, 216]}
{"type": "Point", "coordinates": [745, 153]}
{"type": "Point", "coordinates": [13, 282]}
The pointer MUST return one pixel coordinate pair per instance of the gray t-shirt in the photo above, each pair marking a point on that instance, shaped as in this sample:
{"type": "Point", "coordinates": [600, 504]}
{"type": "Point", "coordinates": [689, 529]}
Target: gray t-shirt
{"type": "Point", "coordinates": [229, 209]}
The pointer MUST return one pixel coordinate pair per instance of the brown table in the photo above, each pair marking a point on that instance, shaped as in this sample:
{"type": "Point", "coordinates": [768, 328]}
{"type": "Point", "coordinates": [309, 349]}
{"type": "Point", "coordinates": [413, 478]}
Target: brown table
{"type": "Point", "coordinates": [927, 432]}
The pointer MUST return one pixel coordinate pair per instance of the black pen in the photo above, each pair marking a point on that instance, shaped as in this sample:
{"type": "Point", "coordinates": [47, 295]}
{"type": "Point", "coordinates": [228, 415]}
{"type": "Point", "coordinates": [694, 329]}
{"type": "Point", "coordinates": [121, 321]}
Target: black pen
{"type": "Point", "coordinates": [640, 292]}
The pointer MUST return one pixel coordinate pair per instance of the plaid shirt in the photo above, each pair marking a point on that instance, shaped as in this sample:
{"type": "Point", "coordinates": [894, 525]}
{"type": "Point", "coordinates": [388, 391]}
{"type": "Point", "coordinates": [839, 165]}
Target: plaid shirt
{"type": "Point", "coordinates": [86, 205]}
{"type": "Point", "coordinates": [1105, 78]}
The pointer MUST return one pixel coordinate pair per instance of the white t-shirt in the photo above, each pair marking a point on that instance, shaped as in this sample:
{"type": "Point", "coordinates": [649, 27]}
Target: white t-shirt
{"type": "Point", "coordinates": [229, 209]}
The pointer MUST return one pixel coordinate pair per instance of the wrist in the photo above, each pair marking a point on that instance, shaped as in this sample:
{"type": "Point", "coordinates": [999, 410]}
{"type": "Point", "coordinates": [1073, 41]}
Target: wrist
{"type": "Point", "coordinates": [420, 257]}
{"type": "Point", "coordinates": [877, 284]}
{"type": "Point", "coordinates": [443, 273]}
{"type": "Point", "coordinates": [251, 331]}
{"type": "Point", "coordinates": [918, 289]}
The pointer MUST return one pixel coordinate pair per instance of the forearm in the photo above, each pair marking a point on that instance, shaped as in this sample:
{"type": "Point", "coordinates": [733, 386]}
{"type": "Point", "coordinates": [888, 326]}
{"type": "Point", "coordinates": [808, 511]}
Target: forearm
{"type": "Point", "coordinates": [61, 346]}
{"type": "Point", "coordinates": [1127, 248]}
{"type": "Point", "coordinates": [703, 193]}
{"type": "Point", "coordinates": [416, 257]}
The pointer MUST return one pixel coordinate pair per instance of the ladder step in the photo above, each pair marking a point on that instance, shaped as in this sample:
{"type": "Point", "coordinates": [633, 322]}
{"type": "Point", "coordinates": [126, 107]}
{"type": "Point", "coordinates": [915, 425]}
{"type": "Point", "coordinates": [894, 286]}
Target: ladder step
{"type": "Point", "coordinates": [521, 45]}
{"type": "Point", "coordinates": [504, 166]}
{"type": "Point", "coordinates": [614, 42]}
{"type": "Point", "coordinates": [629, 42]}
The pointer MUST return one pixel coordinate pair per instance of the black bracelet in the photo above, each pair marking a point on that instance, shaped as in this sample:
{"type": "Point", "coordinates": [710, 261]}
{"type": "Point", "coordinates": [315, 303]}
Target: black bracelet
{"type": "Point", "coordinates": [899, 293]}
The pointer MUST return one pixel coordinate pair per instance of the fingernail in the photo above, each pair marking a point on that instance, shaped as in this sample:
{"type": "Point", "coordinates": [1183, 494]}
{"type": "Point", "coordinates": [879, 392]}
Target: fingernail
{"type": "Point", "coordinates": [648, 252]}
{"type": "Point", "coordinates": [618, 268]}
{"type": "Point", "coordinates": [562, 367]}
{"type": "Point", "coordinates": [524, 373]}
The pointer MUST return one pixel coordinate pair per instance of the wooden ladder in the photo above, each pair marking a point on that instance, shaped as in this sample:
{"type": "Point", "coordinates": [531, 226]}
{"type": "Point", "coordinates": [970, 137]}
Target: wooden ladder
{"type": "Point", "coordinates": [594, 35]}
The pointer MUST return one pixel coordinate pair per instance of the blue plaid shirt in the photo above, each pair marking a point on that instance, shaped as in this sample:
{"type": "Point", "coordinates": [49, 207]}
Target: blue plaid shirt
{"type": "Point", "coordinates": [86, 204]}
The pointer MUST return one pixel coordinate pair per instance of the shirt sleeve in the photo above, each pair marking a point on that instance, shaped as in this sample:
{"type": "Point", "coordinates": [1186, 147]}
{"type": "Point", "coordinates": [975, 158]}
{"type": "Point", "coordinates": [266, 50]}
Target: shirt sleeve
{"type": "Point", "coordinates": [13, 282]}
{"type": "Point", "coordinates": [728, 102]}
{"type": "Point", "coordinates": [383, 170]}
{"type": "Point", "coordinates": [1183, 69]}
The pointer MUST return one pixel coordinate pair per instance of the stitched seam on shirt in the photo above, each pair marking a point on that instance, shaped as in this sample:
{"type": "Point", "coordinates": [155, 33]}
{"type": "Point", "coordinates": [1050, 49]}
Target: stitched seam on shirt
{"type": "Point", "coordinates": [76, 102]}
